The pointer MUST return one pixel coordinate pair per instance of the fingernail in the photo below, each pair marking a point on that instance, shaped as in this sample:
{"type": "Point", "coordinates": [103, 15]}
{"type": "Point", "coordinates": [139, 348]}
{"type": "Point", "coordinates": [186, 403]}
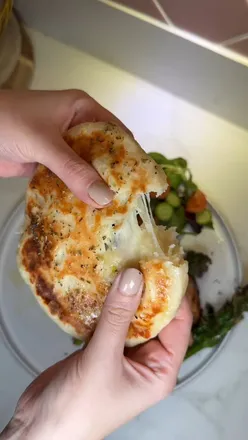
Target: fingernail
{"type": "Point", "coordinates": [130, 282]}
{"type": "Point", "coordinates": [100, 193]}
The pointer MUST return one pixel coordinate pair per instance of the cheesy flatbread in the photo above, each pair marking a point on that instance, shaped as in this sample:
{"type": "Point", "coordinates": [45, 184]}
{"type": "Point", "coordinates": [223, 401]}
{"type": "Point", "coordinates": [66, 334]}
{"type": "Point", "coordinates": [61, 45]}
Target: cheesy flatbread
{"type": "Point", "coordinates": [70, 252]}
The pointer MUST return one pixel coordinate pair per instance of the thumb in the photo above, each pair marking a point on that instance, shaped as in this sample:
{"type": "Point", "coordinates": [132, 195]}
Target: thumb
{"type": "Point", "coordinates": [82, 179]}
{"type": "Point", "coordinates": [119, 308]}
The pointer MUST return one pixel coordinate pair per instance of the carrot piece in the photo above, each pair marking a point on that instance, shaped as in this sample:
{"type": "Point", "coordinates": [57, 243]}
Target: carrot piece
{"type": "Point", "coordinates": [197, 202]}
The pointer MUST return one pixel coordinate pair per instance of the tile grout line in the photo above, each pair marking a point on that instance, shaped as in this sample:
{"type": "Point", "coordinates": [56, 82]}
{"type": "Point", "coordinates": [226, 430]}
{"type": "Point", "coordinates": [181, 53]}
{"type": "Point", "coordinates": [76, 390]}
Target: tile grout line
{"type": "Point", "coordinates": [162, 12]}
{"type": "Point", "coordinates": [135, 13]}
{"type": "Point", "coordinates": [234, 40]}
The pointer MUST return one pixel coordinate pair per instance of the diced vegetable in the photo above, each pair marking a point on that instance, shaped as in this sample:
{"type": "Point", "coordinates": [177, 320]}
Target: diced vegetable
{"type": "Point", "coordinates": [197, 202]}
{"type": "Point", "coordinates": [159, 158]}
{"type": "Point", "coordinates": [190, 218]}
{"type": "Point", "coordinates": [77, 341]}
{"type": "Point", "coordinates": [173, 199]}
{"type": "Point", "coordinates": [188, 202]}
{"type": "Point", "coordinates": [163, 211]}
{"type": "Point", "coordinates": [178, 219]}
{"type": "Point", "coordinates": [173, 178]}
{"type": "Point", "coordinates": [204, 218]}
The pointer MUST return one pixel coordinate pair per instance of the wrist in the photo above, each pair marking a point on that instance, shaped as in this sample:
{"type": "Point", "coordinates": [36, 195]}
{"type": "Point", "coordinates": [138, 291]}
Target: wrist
{"type": "Point", "coordinates": [15, 430]}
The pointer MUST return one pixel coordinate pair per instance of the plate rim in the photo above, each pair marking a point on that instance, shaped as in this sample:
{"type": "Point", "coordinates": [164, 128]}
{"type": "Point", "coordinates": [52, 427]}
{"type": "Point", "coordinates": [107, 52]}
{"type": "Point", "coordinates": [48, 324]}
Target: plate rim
{"type": "Point", "coordinates": [219, 347]}
{"type": "Point", "coordinates": [10, 345]}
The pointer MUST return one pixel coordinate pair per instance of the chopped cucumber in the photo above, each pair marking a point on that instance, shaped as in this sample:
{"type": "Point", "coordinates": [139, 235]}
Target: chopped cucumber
{"type": "Point", "coordinates": [178, 219]}
{"type": "Point", "coordinates": [163, 211]}
{"type": "Point", "coordinates": [173, 199]}
{"type": "Point", "coordinates": [159, 158]}
{"type": "Point", "coordinates": [204, 217]}
{"type": "Point", "coordinates": [174, 179]}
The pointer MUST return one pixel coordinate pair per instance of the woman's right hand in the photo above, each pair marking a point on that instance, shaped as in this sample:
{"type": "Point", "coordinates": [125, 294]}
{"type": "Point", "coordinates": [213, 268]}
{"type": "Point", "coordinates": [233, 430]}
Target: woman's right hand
{"type": "Point", "coordinates": [93, 392]}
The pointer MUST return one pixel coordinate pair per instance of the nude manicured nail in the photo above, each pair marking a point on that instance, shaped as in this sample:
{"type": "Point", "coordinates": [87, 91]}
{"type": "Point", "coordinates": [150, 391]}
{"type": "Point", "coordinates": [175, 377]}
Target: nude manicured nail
{"type": "Point", "coordinates": [100, 193]}
{"type": "Point", "coordinates": [130, 282]}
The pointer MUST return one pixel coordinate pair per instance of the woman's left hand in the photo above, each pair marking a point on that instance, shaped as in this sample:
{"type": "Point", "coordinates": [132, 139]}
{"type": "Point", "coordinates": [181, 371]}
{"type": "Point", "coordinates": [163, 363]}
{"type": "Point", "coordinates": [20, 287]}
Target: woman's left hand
{"type": "Point", "coordinates": [32, 125]}
{"type": "Point", "coordinates": [94, 391]}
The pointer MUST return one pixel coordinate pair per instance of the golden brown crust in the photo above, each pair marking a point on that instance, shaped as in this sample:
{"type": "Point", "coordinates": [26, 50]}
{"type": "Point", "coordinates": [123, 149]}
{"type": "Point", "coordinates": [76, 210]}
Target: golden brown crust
{"type": "Point", "coordinates": [141, 326]}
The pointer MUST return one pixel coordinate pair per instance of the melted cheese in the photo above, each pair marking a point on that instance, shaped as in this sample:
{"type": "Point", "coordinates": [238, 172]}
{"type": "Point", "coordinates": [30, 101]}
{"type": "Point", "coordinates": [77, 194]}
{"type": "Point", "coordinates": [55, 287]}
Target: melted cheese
{"type": "Point", "coordinates": [145, 213]}
{"type": "Point", "coordinates": [133, 243]}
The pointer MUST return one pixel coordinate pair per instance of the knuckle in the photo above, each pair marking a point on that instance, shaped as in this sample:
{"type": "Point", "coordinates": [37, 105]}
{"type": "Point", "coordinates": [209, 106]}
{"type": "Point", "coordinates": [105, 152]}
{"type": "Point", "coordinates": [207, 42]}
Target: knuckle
{"type": "Point", "coordinates": [117, 315]}
{"type": "Point", "coordinates": [153, 360]}
{"type": "Point", "coordinates": [72, 167]}
{"type": "Point", "coordinates": [78, 96]}
{"type": "Point", "coordinates": [76, 93]}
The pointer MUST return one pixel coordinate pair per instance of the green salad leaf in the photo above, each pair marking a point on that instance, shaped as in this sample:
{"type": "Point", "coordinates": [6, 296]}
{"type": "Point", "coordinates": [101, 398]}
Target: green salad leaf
{"type": "Point", "coordinates": [214, 326]}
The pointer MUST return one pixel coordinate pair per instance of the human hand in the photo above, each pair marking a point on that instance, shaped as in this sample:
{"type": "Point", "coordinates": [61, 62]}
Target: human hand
{"type": "Point", "coordinates": [94, 391]}
{"type": "Point", "coordinates": [31, 128]}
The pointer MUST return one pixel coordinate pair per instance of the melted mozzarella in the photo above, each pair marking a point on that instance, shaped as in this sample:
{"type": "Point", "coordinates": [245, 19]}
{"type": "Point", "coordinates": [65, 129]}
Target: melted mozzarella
{"type": "Point", "coordinates": [132, 242]}
{"type": "Point", "coordinates": [145, 213]}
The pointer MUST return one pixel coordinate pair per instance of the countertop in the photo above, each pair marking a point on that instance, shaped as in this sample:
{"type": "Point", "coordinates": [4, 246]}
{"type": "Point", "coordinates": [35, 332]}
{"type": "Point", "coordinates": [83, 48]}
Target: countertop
{"type": "Point", "coordinates": [213, 405]}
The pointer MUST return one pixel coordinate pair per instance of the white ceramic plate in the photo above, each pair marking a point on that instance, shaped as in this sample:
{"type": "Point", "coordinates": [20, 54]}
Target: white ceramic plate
{"type": "Point", "coordinates": [37, 342]}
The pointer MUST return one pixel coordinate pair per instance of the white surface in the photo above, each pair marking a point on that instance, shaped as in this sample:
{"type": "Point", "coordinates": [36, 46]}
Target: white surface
{"type": "Point", "coordinates": [214, 405]}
